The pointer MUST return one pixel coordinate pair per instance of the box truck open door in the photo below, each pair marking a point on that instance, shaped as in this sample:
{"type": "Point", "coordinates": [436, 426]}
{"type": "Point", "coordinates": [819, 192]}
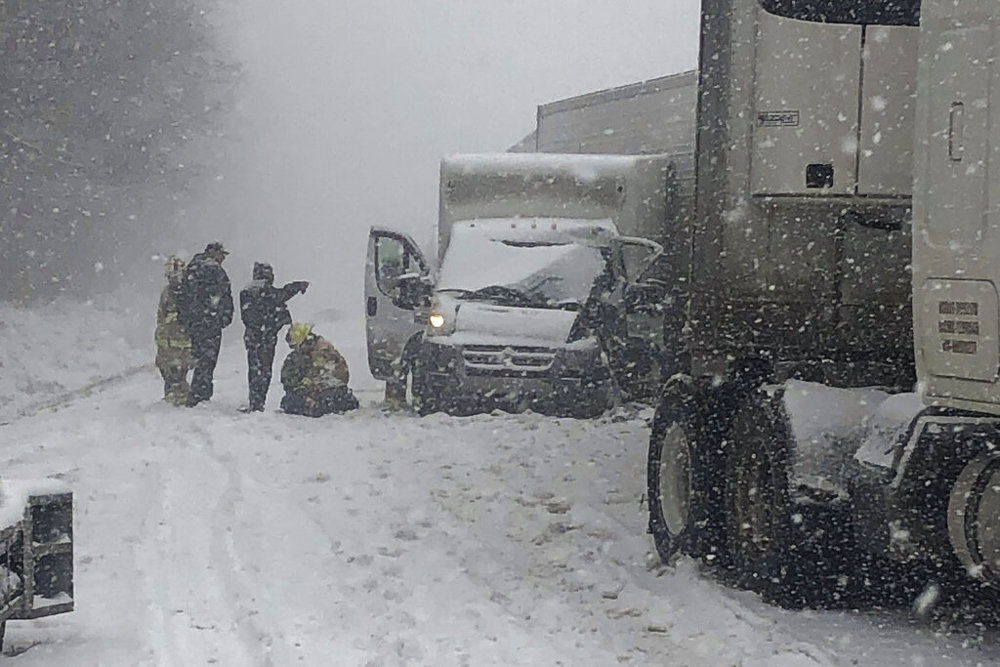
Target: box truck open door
{"type": "Point", "coordinates": [396, 289]}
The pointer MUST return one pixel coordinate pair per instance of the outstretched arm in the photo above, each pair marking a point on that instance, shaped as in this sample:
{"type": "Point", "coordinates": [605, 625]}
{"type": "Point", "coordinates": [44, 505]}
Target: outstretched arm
{"type": "Point", "coordinates": [293, 288]}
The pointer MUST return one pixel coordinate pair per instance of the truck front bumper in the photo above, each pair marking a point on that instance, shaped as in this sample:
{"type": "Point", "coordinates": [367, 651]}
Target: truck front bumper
{"type": "Point", "coordinates": [564, 381]}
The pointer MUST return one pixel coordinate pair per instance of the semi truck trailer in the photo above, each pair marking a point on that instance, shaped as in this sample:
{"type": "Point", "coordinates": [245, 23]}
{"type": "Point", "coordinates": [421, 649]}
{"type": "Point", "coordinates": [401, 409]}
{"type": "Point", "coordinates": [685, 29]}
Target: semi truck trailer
{"type": "Point", "coordinates": [841, 407]}
{"type": "Point", "coordinates": [797, 326]}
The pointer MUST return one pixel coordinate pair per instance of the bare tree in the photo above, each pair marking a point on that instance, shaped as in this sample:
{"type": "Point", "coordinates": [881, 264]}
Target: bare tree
{"type": "Point", "coordinates": [103, 107]}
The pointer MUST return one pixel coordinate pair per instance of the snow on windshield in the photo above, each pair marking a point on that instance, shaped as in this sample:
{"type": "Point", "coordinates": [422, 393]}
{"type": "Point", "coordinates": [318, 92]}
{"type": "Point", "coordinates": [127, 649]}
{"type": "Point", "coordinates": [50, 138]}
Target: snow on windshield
{"type": "Point", "coordinates": [548, 273]}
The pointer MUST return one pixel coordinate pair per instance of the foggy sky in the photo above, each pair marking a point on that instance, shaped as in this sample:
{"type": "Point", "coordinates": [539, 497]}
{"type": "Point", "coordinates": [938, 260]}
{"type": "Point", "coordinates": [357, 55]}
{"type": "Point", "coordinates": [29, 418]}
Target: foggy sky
{"type": "Point", "coordinates": [348, 106]}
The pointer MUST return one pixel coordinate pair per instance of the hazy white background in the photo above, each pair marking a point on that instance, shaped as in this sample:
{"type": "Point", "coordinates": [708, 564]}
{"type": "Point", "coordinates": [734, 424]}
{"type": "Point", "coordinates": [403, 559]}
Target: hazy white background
{"type": "Point", "coordinates": [348, 106]}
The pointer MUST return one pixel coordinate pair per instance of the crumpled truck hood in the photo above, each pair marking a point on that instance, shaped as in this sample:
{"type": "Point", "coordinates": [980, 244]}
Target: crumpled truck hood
{"type": "Point", "coordinates": [491, 324]}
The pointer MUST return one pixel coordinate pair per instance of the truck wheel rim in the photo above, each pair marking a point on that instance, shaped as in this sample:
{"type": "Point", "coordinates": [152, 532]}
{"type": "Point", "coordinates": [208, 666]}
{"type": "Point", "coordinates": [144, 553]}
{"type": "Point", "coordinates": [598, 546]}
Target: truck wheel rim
{"type": "Point", "coordinates": [675, 479]}
{"type": "Point", "coordinates": [974, 517]}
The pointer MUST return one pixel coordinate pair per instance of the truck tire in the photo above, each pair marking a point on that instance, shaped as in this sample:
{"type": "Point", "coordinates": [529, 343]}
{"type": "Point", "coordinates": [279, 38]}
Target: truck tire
{"type": "Point", "coordinates": [758, 506]}
{"type": "Point", "coordinates": [794, 555]}
{"type": "Point", "coordinates": [421, 394]}
{"type": "Point", "coordinates": [678, 471]}
{"type": "Point", "coordinates": [670, 481]}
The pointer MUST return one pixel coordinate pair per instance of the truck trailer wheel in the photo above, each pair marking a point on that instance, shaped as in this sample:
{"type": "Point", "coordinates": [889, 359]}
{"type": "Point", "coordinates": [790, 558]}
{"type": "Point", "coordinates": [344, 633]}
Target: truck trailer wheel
{"type": "Point", "coordinates": [677, 478]}
{"type": "Point", "coordinates": [792, 554]}
{"type": "Point", "coordinates": [758, 511]}
{"type": "Point", "coordinates": [974, 516]}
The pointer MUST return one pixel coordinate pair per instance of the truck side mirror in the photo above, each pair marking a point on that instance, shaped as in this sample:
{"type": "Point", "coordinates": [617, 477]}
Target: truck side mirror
{"type": "Point", "coordinates": [646, 297]}
{"type": "Point", "coordinates": [411, 292]}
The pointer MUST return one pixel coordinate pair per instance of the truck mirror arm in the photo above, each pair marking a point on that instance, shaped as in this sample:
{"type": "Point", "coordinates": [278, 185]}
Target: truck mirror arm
{"type": "Point", "coordinates": [655, 252]}
{"type": "Point", "coordinates": [411, 291]}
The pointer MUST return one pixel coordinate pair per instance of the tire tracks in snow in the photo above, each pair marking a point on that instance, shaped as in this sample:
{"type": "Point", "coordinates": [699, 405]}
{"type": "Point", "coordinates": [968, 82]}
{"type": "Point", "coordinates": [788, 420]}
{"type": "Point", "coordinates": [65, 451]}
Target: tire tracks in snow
{"type": "Point", "coordinates": [65, 398]}
{"type": "Point", "coordinates": [162, 638]}
{"type": "Point", "coordinates": [228, 565]}
{"type": "Point", "coordinates": [571, 557]}
{"type": "Point", "coordinates": [275, 553]}
{"type": "Point", "coordinates": [192, 533]}
{"type": "Point", "coordinates": [188, 596]}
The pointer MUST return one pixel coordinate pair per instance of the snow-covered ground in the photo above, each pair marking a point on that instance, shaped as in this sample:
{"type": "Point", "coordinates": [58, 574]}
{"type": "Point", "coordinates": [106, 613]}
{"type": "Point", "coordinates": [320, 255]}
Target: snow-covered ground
{"type": "Point", "coordinates": [68, 347]}
{"type": "Point", "coordinates": [207, 536]}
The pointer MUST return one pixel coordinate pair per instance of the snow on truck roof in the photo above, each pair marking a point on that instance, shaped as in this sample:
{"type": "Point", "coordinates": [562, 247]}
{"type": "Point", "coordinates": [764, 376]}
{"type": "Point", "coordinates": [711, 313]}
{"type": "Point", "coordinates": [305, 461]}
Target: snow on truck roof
{"type": "Point", "coordinates": [582, 167]}
{"type": "Point", "coordinates": [538, 230]}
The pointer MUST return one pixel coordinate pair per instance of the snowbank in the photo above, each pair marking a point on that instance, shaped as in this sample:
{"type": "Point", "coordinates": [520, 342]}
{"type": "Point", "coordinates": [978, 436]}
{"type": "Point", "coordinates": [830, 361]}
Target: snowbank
{"type": "Point", "coordinates": [68, 346]}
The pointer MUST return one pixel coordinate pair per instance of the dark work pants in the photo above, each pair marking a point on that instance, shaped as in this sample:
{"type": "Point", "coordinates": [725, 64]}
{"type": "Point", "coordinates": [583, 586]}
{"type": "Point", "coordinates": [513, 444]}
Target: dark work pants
{"type": "Point", "coordinates": [205, 349]}
{"type": "Point", "coordinates": [335, 399]}
{"type": "Point", "coordinates": [260, 359]}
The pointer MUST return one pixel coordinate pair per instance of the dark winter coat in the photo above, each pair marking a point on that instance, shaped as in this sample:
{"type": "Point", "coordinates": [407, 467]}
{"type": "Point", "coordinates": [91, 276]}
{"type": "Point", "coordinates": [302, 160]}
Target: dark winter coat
{"type": "Point", "coordinates": [264, 309]}
{"type": "Point", "coordinates": [207, 304]}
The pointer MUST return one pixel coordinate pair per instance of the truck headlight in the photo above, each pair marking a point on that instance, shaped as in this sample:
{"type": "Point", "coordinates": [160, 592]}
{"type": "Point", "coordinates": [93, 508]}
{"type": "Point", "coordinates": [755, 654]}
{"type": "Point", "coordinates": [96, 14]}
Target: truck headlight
{"type": "Point", "coordinates": [441, 316]}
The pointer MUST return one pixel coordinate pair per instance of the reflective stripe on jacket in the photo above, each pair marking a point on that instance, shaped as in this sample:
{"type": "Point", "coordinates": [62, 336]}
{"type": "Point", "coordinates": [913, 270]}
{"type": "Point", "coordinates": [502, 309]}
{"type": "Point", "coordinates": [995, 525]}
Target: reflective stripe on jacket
{"type": "Point", "coordinates": [313, 367]}
{"type": "Point", "coordinates": [169, 330]}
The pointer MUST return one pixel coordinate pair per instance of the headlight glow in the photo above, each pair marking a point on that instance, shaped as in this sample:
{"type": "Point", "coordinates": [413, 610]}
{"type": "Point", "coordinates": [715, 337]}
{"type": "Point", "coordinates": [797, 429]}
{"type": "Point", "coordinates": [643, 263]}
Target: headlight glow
{"type": "Point", "coordinates": [436, 320]}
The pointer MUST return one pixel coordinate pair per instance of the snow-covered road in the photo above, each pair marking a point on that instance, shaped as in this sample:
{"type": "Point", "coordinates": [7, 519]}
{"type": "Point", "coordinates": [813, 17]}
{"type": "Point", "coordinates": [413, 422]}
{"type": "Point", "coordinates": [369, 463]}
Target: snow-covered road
{"type": "Point", "coordinates": [207, 536]}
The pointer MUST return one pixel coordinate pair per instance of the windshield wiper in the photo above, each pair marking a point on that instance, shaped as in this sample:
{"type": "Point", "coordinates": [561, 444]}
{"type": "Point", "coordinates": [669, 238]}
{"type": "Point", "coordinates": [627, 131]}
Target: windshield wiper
{"type": "Point", "coordinates": [501, 294]}
{"type": "Point", "coordinates": [506, 295]}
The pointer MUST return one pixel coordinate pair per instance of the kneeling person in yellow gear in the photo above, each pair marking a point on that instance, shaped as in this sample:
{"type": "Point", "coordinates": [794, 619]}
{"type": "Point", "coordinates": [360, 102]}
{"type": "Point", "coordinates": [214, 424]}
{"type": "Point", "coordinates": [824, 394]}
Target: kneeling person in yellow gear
{"type": "Point", "coordinates": [314, 375]}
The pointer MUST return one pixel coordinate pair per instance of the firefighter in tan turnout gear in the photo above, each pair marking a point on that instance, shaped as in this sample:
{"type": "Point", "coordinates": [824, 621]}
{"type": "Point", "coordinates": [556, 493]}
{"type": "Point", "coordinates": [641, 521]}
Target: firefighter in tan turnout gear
{"type": "Point", "coordinates": [314, 375]}
{"type": "Point", "coordinates": [173, 344]}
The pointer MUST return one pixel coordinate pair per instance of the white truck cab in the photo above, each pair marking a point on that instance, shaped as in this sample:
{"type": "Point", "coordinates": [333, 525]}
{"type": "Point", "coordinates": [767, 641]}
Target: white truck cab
{"type": "Point", "coordinates": [527, 309]}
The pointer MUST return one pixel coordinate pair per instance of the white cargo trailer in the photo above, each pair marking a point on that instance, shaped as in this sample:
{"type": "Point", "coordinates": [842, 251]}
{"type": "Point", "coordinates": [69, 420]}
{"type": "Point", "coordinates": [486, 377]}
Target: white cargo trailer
{"type": "Point", "coordinates": [655, 116]}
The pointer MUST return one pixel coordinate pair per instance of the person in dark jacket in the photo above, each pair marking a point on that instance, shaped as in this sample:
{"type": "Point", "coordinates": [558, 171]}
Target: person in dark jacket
{"type": "Point", "coordinates": [264, 310]}
{"type": "Point", "coordinates": [314, 375]}
{"type": "Point", "coordinates": [207, 310]}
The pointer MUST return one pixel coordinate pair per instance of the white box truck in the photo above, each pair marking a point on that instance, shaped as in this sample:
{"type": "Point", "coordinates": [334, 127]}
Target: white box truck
{"type": "Point", "coordinates": [540, 258]}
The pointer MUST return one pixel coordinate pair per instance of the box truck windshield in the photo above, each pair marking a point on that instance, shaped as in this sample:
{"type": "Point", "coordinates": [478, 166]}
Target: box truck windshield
{"type": "Point", "coordinates": [538, 274]}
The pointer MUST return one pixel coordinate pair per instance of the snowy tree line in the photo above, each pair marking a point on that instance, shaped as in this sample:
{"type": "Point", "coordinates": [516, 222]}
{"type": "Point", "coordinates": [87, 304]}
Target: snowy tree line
{"type": "Point", "coordinates": [108, 109]}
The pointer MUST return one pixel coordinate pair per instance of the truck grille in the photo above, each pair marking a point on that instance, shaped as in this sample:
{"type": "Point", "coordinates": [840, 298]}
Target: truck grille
{"type": "Point", "coordinates": [516, 360]}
